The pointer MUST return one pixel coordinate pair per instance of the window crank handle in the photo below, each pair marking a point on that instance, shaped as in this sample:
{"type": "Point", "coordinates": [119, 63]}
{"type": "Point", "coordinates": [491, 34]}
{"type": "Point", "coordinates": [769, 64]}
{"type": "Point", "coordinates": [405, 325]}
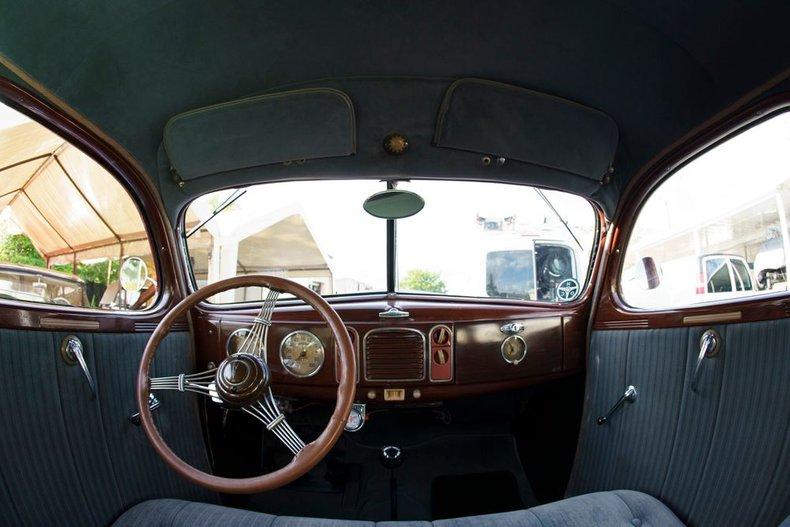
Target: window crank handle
{"type": "Point", "coordinates": [628, 397]}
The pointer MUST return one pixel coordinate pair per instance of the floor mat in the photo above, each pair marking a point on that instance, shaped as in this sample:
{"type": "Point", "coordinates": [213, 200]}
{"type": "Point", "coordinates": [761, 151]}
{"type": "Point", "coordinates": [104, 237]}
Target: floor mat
{"type": "Point", "coordinates": [474, 494]}
{"type": "Point", "coordinates": [353, 484]}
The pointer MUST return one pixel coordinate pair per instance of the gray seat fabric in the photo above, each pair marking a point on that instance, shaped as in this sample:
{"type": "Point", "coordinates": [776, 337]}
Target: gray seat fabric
{"type": "Point", "coordinates": [613, 508]}
{"type": "Point", "coordinates": [717, 455]}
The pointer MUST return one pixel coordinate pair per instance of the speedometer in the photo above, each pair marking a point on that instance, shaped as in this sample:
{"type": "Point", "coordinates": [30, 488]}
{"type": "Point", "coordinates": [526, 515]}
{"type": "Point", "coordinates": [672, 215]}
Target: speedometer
{"type": "Point", "coordinates": [301, 354]}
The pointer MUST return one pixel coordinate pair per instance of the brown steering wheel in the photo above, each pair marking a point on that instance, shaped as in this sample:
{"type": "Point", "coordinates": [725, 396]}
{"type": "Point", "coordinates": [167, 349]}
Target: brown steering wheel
{"type": "Point", "coordinates": [242, 381]}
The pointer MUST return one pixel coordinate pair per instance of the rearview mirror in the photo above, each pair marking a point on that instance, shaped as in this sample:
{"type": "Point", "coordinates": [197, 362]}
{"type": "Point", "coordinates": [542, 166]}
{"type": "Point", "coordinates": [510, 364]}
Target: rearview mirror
{"type": "Point", "coordinates": [133, 274]}
{"type": "Point", "coordinates": [652, 276]}
{"type": "Point", "coordinates": [393, 204]}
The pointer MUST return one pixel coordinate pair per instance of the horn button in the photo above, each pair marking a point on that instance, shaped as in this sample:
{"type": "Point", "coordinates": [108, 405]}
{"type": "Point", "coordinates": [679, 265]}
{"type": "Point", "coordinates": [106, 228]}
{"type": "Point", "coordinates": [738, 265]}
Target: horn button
{"type": "Point", "coordinates": [241, 379]}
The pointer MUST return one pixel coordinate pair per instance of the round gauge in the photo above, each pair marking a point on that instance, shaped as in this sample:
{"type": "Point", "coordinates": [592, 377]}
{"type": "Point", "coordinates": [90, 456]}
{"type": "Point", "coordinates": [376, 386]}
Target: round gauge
{"type": "Point", "coordinates": [514, 349]}
{"type": "Point", "coordinates": [301, 354]}
{"type": "Point", "coordinates": [235, 340]}
{"type": "Point", "coordinates": [356, 419]}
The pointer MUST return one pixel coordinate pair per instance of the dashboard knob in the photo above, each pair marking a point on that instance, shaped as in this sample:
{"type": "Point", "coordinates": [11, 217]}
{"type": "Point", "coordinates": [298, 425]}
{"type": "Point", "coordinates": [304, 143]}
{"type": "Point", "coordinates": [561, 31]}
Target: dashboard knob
{"type": "Point", "coordinates": [440, 356]}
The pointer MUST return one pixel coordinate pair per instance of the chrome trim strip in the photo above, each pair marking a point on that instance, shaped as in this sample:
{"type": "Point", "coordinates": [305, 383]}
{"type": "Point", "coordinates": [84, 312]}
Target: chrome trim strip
{"type": "Point", "coordinates": [732, 316]}
{"type": "Point", "coordinates": [67, 323]}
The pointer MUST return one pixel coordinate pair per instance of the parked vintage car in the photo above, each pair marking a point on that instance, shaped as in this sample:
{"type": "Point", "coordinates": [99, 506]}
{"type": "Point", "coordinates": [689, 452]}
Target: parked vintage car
{"type": "Point", "coordinates": [34, 284]}
{"type": "Point", "coordinates": [395, 264]}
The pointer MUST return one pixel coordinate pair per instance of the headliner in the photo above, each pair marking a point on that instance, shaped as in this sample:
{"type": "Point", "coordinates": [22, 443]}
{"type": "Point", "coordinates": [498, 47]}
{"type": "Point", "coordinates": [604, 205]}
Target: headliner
{"type": "Point", "coordinates": [658, 71]}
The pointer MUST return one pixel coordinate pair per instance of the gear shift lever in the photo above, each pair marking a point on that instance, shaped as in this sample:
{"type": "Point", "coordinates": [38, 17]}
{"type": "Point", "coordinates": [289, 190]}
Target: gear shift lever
{"type": "Point", "coordinates": [391, 457]}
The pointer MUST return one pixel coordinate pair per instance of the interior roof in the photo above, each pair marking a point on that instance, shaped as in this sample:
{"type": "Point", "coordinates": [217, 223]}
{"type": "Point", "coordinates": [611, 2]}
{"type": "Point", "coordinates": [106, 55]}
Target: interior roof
{"type": "Point", "coordinates": [658, 69]}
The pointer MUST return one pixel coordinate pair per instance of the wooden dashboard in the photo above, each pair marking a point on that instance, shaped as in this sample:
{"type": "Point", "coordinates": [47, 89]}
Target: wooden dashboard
{"type": "Point", "coordinates": [442, 350]}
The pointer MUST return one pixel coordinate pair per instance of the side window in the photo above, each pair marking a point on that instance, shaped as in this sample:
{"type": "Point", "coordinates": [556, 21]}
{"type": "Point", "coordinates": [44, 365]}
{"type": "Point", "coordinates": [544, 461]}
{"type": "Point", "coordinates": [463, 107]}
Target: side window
{"type": "Point", "coordinates": [718, 228]}
{"type": "Point", "coordinates": [70, 234]}
{"type": "Point", "coordinates": [742, 273]}
{"type": "Point", "coordinates": [718, 276]}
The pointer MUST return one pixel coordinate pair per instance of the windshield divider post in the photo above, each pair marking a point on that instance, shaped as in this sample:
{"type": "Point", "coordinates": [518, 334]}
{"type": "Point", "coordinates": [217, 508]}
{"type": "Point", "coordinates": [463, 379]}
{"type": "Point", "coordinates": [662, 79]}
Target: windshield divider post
{"type": "Point", "coordinates": [391, 248]}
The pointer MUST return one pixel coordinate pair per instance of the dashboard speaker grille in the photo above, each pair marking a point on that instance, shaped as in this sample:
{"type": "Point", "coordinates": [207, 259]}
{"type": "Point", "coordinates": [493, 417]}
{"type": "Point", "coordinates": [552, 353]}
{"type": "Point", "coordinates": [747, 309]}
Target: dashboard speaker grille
{"type": "Point", "coordinates": [396, 354]}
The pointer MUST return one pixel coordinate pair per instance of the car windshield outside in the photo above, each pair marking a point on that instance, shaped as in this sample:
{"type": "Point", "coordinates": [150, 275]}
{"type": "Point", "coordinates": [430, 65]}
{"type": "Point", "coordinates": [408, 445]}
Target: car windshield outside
{"type": "Point", "coordinates": [471, 239]}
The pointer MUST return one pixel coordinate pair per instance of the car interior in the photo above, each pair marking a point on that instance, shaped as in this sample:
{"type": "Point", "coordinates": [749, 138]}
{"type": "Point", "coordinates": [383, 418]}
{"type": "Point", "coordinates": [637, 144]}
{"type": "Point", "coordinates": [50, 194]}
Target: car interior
{"type": "Point", "coordinates": [417, 264]}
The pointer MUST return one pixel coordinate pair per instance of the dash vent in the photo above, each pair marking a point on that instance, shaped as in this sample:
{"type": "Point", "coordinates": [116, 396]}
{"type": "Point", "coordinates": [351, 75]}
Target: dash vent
{"type": "Point", "coordinates": [394, 354]}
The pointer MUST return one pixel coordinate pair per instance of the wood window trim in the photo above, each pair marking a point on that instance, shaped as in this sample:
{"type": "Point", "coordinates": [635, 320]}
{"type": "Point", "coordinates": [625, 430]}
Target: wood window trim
{"type": "Point", "coordinates": [67, 124]}
{"type": "Point", "coordinates": [612, 311]}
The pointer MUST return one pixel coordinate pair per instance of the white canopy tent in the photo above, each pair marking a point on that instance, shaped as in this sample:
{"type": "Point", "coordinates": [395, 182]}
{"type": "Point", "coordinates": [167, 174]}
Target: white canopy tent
{"type": "Point", "coordinates": [65, 202]}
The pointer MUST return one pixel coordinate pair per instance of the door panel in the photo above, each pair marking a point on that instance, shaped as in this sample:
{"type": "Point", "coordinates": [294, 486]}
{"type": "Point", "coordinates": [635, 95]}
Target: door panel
{"type": "Point", "coordinates": [717, 456]}
{"type": "Point", "coordinates": [67, 459]}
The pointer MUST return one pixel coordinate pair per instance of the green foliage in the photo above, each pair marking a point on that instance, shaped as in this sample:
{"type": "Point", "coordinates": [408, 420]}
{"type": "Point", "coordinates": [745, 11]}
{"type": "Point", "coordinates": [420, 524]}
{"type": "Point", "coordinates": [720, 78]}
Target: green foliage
{"type": "Point", "coordinates": [95, 272]}
{"type": "Point", "coordinates": [422, 280]}
{"type": "Point", "coordinates": [18, 249]}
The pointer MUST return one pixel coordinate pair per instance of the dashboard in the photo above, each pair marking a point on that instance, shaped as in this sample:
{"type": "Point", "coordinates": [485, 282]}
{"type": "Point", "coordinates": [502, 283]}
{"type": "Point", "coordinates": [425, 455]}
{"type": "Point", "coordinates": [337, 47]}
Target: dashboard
{"type": "Point", "coordinates": [409, 350]}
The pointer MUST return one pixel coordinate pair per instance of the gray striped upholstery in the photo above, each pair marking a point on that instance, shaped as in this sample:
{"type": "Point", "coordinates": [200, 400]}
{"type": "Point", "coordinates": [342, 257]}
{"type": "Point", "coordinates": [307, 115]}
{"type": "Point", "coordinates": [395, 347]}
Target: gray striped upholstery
{"type": "Point", "coordinates": [601, 509]}
{"type": "Point", "coordinates": [719, 456]}
{"type": "Point", "coordinates": [67, 460]}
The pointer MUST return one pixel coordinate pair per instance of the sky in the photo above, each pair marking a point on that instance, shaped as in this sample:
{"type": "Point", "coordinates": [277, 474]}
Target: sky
{"type": "Point", "coordinates": [10, 117]}
{"type": "Point", "coordinates": [745, 168]}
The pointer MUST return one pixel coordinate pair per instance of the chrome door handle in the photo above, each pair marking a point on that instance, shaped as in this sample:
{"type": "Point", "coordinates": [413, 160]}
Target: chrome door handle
{"type": "Point", "coordinates": [393, 312]}
{"type": "Point", "coordinates": [628, 397]}
{"type": "Point", "coordinates": [512, 328]}
{"type": "Point", "coordinates": [153, 404]}
{"type": "Point", "coordinates": [709, 345]}
{"type": "Point", "coordinates": [71, 351]}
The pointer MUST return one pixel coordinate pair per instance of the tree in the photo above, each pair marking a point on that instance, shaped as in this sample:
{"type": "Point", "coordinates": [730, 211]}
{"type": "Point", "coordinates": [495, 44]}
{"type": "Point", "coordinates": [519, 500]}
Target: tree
{"type": "Point", "coordinates": [18, 249]}
{"type": "Point", "coordinates": [422, 280]}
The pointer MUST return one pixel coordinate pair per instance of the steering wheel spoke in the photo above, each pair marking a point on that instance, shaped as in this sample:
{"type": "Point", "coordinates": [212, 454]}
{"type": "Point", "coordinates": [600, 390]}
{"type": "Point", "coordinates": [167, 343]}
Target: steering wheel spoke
{"type": "Point", "coordinates": [267, 412]}
{"type": "Point", "coordinates": [255, 341]}
{"type": "Point", "coordinates": [202, 383]}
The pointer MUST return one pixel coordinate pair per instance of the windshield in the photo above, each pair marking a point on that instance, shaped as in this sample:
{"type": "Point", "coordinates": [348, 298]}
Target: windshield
{"type": "Point", "coordinates": [471, 239]}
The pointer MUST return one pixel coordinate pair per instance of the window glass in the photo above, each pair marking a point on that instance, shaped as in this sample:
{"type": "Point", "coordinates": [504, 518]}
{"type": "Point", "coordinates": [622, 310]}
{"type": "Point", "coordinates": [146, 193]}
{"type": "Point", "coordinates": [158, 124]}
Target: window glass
{"type": "Point", "coordinates": [66, 225]}
{"type": "Point", "coordinates": [315, 233]}
{"type": "Point", "coordinates": [718, 228]}
{"type": "Point", "coordinates": [494, 240]}
{"type": "Point", "coordinates": [742, 272]}
{"type": "Point", "coordinates": [718, 276]}
{"type": "Point", "coordinates": [470, 239]}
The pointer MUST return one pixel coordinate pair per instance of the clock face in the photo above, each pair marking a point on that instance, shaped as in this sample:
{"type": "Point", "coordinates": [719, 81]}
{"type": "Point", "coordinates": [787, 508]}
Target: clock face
{"type": "Point", "coordinates": [514, 349]}
{"type": "Point", "coordinates": [301, 354]}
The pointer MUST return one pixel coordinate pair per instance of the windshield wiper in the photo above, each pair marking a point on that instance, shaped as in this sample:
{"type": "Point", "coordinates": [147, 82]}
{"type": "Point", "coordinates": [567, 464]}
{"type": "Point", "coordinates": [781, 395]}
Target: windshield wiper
{"type": "Point", "coordinates": [559, 217]}
{"type": "Point", "coordinates": [222, 206]}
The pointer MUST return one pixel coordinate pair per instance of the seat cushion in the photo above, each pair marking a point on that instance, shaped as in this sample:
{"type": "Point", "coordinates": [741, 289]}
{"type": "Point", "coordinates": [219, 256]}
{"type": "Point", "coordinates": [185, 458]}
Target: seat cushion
{"type": "Point", "coordinates": [613, 508]}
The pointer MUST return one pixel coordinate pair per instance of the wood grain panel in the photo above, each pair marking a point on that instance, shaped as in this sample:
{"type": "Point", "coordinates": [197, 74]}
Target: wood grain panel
{"type": "Point", "coordinates": [479, 357]}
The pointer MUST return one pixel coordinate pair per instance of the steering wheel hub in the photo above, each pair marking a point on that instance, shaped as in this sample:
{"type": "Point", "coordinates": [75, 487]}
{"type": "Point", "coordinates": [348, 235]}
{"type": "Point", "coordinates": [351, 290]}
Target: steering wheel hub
{"type": "Point", "coordinates": [241, 379]}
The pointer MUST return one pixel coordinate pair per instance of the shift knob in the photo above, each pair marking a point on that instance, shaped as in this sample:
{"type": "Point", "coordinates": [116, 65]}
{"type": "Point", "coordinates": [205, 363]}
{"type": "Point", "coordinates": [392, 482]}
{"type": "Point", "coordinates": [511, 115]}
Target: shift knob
{"type": "Point", "coordinates": [391, 456]}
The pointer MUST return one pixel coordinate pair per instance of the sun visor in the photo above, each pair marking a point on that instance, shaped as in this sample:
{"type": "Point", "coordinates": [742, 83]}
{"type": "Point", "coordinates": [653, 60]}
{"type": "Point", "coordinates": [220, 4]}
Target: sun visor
{"type": "Point", "coordinates": [526, 126]}
{"type": "Point", "coordinates": [274, 128]}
